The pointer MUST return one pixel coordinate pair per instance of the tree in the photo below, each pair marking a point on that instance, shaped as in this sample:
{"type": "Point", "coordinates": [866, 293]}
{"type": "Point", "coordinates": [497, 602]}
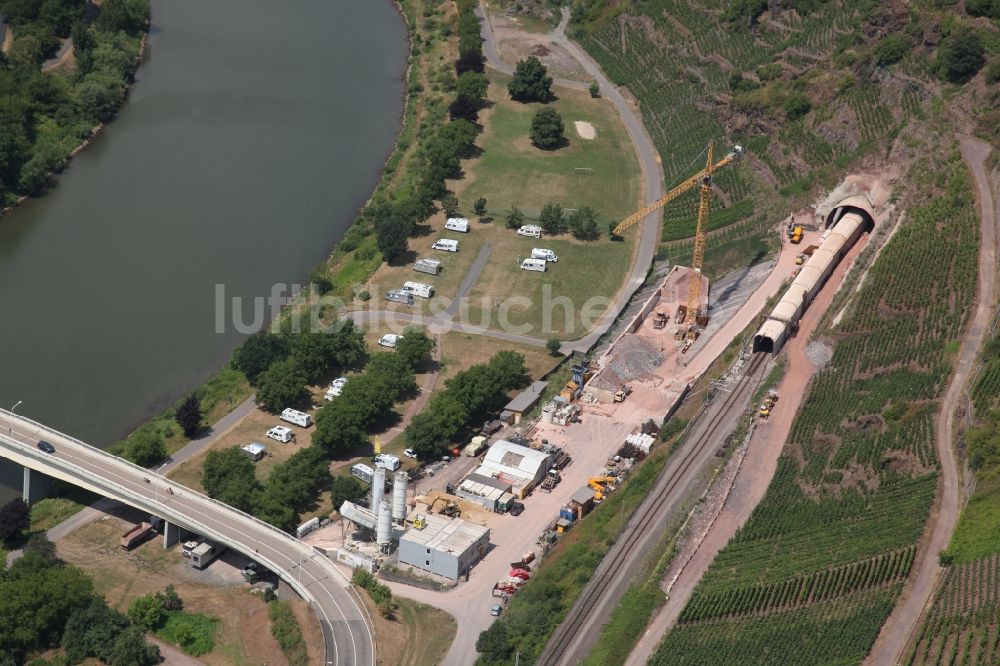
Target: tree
{"type": "Point", "coordinates": [515, 218]}
{"type": "Point", "coordinates": [479, 207]}
{"type": "Point", "coordinates": [282, 385]}
{"type": "Point", "coordinates": [472, 85]}
{"type": "Point", "coordinates": [547, 130]}
{"type": "Point", "coordinates": [346, 489]}
{"type": "Point", "coordinates": [430, 432]}
{"type": "Point", "coordinates": [415, 347]}
{"type": "Point", "coordinates": [531, 82]}
{"type": "Point", "coordinates": [595, 89]}
{"type": "Point", "coordinates": [990, 8]}
{"type": "Point", "coordinates": [145, 447]}
{"type": "Point", "coordinates": [464, 108]}
{"type": "Point", "coordinates": [228, 476]}
{"type": "Point", "coordinates": [450, 205]}
{"type": "Point", "coordinates": [960, 55]}
{"type": "Point", "coordinates": [146, 612]}
{"type": "Point", "coordinates": [553, 345]}
{"type": "Point", "coordinates": [91, 631]}
{"type": "Point", "coordinates": [258, 353]}
{"type": "Point", "coordinates": [129, 16]}
{"type": "Point", "coordinates": [189, 416]}
{"type": "Point", "coordinates": [493, 645]}
{"type": "Point", "coordinates": [551, 219]}
{"type": "Point", "coordinates": [470, 61]}
{"type": "Point", "coordinates": [391, 233]}
{"type": "Point", "coordinates": [15, 517]}
{"type": "Point", "coordinates": [100, 94]}
{"type": "Point", "coordinates": [583, 224]}
{"type": "Point", "coordinates": [131, 649]}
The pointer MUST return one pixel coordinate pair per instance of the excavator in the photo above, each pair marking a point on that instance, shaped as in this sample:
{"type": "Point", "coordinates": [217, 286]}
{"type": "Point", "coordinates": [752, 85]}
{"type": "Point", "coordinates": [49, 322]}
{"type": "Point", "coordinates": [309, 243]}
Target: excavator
{"type": "Point", "coordinates": [703, 179]}
{"type": "Point", "coordinates": [599, 485]}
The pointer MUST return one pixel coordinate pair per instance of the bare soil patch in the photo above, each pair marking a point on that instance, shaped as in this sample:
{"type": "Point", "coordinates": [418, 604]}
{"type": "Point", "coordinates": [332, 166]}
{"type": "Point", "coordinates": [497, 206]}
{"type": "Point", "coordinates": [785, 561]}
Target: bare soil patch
{"type": "Point", "coordinates": [585, 130]}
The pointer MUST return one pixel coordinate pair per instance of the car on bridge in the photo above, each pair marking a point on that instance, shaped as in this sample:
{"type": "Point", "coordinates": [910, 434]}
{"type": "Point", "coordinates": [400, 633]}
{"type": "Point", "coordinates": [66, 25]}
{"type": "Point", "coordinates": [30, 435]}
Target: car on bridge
{"type": "Point", "coordinates": [45, 446]}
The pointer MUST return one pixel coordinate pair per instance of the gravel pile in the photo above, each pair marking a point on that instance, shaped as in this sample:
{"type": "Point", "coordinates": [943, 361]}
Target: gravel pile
{"type": "Point", "coordinates": [632, 357]}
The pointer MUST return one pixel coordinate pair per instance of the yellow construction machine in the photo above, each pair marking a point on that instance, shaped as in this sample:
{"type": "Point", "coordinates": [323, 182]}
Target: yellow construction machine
{"type": "Point", "coordinates": [703, 179]}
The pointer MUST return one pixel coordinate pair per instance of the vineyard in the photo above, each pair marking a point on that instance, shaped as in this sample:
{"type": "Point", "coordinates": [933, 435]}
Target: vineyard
{"type": "Point", "coordinates": [822, 558]}
{"type": "Point", "coordinates": [679, 59]}
{"type": "Point", "coordinates": [963, 625]}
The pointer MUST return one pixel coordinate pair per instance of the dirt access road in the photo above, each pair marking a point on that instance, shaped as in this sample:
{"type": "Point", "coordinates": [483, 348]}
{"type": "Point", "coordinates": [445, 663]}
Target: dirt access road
{"type": "Point", "coordinates": [905, 618]}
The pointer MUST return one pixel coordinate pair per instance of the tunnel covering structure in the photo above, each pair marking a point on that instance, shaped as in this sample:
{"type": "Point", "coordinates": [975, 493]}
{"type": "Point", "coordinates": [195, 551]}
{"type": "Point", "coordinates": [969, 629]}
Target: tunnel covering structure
{"type": "Point", "coordinates": [849, 222]}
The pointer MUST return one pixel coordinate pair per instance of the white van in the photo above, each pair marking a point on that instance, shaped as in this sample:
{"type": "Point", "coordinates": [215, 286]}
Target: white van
{"type": "Point", "coordinates": [390, 462]}
{"type": "Point", "coordinates": [532, 230]}
{"type": "Point", "coordinates": [446, 244]}
{"type": "Point", "coordinates": [430, 266]}
{"type": "Point", "coordinates": [542, 253]}
{"type": "Point", "coordinates": [457, 224]}
{"type": "Point", "coordinates": [298, 418]}
{"type": "Point", "coordinates": [533, 265]}
{"type": "Point", "coordinates": [389, 340]}
{"type": "Point", "coordinates": [281, 434]}
{"type": "Point", "coordinates": [418, 289]}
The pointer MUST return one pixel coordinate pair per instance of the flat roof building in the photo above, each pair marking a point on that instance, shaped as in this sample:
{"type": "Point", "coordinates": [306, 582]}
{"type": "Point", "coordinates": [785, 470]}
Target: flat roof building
{"type": "Point", "coordinates": [444, 546]}
{"type": "Point", "coordinates": [525, 400]}
{"type": "Point", "coordinates": [484, 490]}
{"type": "Point", "coordinates": [518, 465]}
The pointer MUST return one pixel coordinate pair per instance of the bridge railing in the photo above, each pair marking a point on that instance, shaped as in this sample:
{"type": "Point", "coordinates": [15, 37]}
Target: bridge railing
{"type": "Point", "coordinates": [40, 427]}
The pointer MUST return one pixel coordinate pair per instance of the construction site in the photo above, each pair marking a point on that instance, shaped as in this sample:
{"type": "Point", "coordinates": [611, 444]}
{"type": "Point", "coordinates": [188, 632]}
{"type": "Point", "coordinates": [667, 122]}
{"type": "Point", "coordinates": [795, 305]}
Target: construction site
{"type": "Point", "coordinates": [476, 524]}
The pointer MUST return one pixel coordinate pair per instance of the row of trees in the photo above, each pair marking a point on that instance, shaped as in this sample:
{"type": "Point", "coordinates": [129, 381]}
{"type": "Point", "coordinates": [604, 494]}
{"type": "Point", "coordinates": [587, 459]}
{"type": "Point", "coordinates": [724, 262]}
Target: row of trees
{"type": "Point", "coordinates": [281, 365]}
{"type": "Point", "coordinates": [45, 116]}
{"type": "Point", "coordinates": [341, 426]}
{"type": "Point", "coordinates": [394, 218]}
{"type": "Point", "coordinates": [467, 399]}
{"type": "Point", "coordinates": [45, 603]}
{"type": "Point", "coordinates": [553, 220]}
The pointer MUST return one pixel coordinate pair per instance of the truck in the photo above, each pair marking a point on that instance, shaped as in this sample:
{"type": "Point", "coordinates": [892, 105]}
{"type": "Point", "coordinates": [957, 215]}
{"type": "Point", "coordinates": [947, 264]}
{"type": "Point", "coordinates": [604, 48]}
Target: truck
{"type": "Point", "coordinates": [623, 392]}
{"type": "Point", "coordinates": [768, 404]}
{"type": "Point", "coordinates": [475, 446]}
{"type": "Point", "coordinates": [203, 555]}
{"type": "Point", "coordinates": [429, 266]}
{"type": "Point", "coordinates": [796, 236]}
{"type": "Point", "coordinates": [659, 320]}
{"type": "Point", "coordinates": [551, 480]}
{"type": "Point", "coordinates": [137, 535]}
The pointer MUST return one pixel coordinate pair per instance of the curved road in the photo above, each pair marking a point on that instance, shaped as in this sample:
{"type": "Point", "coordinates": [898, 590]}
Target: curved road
{"type": "Point", "coordinates": [905, 617]}
{"type": "Point", "coordinates": [349, 638]}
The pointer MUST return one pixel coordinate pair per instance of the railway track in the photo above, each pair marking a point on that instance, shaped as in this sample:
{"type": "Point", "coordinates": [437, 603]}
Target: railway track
{"type": "Point", "coordinates": [616, 567]}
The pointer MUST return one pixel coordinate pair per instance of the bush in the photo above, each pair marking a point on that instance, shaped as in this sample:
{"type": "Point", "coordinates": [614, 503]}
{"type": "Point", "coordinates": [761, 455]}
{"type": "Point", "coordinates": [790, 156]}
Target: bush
{"type": "Point", "coordinates": [551, 219]}
{"type": "Point", "coordinates": [286, 630]}
{"type": "Point", "coordinates": [15, 517]}
{"type": "Point", "coordinates": [553, 345]}
{"type": "Point", "coordinates": [146, 612]}
{"type": "Point", "coordinates": [515, 218]}
{"type": "Point", "coordinates": [796, 106]}
{"type": "Point", "coordinates": [990, 8]}
{"type": "Point", "coordinates": [892, 49]}
{"type": "Point", "coordinates": [195, 633]}
{"type": "Point", "coordinates": [380, 594]}
{"type": "Point", "coordinates": [993, 71]}
{"type": "Point", "coordinates": [145, 448]}
{"type": "Point", "coordinates": [960, 55]}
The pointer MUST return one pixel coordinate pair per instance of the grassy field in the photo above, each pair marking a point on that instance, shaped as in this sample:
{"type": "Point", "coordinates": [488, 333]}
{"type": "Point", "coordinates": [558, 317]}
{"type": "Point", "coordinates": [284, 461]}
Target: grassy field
{"type": "Point", "coordinates": [510, 171]}
{"type": "Point", "coordinates": [241, 634]}
{"type": "Point", "coordinates": [415, 635]}
{"type": "Point", "coordinates": [63, 501]}
{"type": "Point", "coordinates": [460, 351]}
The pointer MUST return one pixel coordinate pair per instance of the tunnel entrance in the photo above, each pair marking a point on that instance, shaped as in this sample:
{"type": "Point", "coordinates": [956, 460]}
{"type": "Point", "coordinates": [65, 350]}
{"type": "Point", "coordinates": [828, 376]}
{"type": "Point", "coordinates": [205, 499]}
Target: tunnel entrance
{"type": "Point", "coordinates": [856, 205]}
{"type": "Point", "coordinates": [763, 343]}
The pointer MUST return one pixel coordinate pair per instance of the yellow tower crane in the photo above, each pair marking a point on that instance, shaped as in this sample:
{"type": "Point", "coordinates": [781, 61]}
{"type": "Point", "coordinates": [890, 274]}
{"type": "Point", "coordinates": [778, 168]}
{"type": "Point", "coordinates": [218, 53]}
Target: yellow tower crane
{"type": "Point", "coordinates": [704, 179]}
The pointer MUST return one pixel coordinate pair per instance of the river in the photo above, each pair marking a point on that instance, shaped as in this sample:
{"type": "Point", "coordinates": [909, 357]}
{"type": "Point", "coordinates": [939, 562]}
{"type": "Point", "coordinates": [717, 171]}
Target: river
{"type": "Point", "coordinates": [254, 132]}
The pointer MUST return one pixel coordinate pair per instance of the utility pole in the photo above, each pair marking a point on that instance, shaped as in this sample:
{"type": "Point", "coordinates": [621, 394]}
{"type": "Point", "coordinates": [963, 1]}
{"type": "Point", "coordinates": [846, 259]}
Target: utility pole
{"type": "Point", "coordinates": [10, 428]}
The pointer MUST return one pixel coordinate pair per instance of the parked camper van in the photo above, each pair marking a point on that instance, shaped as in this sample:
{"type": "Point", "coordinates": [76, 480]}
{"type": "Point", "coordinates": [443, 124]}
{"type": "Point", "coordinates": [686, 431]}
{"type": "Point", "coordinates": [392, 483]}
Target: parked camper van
{"type": "Point", "coordinates": [298, 418]}
{"type": "Point", "coordinates": [457, 224]}
{"type": "Point", "coordinates": [363, 472]}
{"type": "Point", "coordinates": [532, 230]}
{"type": "Point", "coordinates": [281, 434]}
{"type": "Point", "coordinates": [446, 244]}
{"type": "Point", "coordinates": [533, 265]}
{"type": "Point", "coordinates": [390, 462]}
{"type": "Point", "coordinates": [336, 386]}
{"type": "Point", "coordinates": [542, 253]}
{"type": "Point", "coordinates": [430, 266]}
{"type": "Point", "coordinates": [389, 340]}
{"type": "Point", "coordinates": [418, 289]}
{"type": "Point", "coordinates": [399, 296]}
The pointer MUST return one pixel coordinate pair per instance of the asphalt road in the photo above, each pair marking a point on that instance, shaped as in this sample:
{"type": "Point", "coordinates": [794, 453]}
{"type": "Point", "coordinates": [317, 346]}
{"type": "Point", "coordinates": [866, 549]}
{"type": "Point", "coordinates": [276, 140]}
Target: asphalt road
{"type": "Point", "coordinates": [349, 639]}
{"type": "Point", "coordinates": [469, 280]}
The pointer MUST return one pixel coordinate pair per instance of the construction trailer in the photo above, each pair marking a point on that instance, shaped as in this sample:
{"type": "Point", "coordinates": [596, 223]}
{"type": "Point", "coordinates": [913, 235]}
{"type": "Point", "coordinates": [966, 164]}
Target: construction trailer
{"type": "Point", "coordinates": [447, 547]}
{"type": "Point", "coordinates": [205, 553]}
{"type": "Point", "coordinates": [483, 490]}
{"type": "Point", "coordinates": [524, 401]}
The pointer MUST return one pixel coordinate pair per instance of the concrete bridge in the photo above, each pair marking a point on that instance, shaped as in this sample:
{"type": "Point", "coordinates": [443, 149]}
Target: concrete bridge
{"type": "Point", "coordinates": [346, 627]}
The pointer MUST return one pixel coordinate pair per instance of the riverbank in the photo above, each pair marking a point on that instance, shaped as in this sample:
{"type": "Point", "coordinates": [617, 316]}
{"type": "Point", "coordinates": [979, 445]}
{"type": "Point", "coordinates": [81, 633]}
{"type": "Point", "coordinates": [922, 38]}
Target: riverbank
{"type": "Point", "coordinates": [78, 100]}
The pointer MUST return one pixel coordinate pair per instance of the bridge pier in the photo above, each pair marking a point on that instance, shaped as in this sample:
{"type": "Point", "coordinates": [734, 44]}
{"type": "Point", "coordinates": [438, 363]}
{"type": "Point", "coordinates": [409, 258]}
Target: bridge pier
{"type": "Point", "coordinates": [171, 534]}
{"type": "Point", "coordinates": [35, 486]}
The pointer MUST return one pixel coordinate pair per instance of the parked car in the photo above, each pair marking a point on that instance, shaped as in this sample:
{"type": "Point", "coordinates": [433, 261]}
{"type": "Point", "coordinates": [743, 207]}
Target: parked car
{"type": "Point", "coordinates": [410, 453]}
{"type": "Point", "coordinates": [45, 446]}
{"type": "Point", "coordinates": [281, 434]}
{"type": "Point", "coordinates": [496, 610]}
{"type": "Point", "coordinates": [516, 508]}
